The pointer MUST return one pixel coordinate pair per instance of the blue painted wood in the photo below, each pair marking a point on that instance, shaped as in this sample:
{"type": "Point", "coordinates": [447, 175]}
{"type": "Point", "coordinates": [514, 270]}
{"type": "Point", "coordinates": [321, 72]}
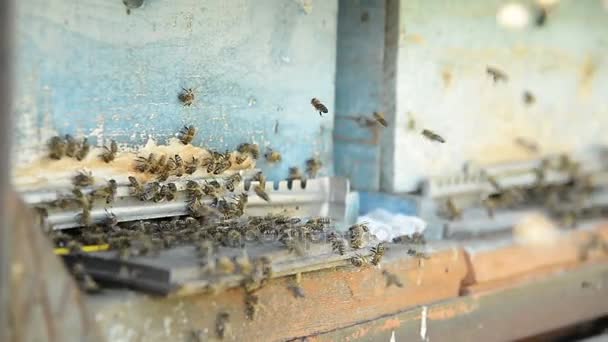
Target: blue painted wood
{"type": "Point", "coordinates": [88, 68]}
{"type": "Point", "coordinates": [396, 204]}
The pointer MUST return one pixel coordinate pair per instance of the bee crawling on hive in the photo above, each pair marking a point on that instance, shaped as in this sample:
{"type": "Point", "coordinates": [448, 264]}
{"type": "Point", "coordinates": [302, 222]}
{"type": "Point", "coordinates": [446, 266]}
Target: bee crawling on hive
{"type": "Point", "coordinates": [177, 164]}
{"type": "Point", "coordinates": [83, 149]}
{"type": "Point", "coordinates": [252, 149]}
{"type": "Point", "coordinates": [86, 204]}
{"type": "Point", "coordinates": [432, 136]}
{"type": "Point", "coordinates": [379, 116]}
{"type": "Point", "coordinates": [83, 178]}
{"type": "Point", "coordinates": [186, 135]}
{"type": "Point", "coordinates": [313, 165]}
{"type": "Point", "coordinates": [187, 96]}
{"type": "Point", "coordinates": [136, 188]}
{"type": "Point", "coordinates": [272, 156]}
{"type": "Point", "coordinates": [232, 181]}
{"type": "Point", "coordinates": [415, 239]}
{"type": "Point", "coordinates": [377, 254]}
{"type": "Point", "coordinates": [337, 244]}
{"type": "Point", "coordinates": [109, 154]}
{"type": "Point", "coordinates": [294, 173]}
{"type": "Point", "coordinates": [108, 192]}
{"type": "Point", "coordinates": [359, 260]}
{"type": "Point", "coordinates": [392, 279]}
{"type": "Point", "coordinates": [191, 166]}
{"type": "Point", "coordinates": [357, 234]}
{"type": "Point", "coordinates": [143, 164]}
{"type": "Point", "coordinates": [261, 192]}
{"type": "Point", "coordinates": [168, 191]}
{"type": "Point", "coordinates": [56, 147]}
{"type": "Point", "coordinates": [319, 107]}
{"type": "Point", "coordinates": [151, 193]}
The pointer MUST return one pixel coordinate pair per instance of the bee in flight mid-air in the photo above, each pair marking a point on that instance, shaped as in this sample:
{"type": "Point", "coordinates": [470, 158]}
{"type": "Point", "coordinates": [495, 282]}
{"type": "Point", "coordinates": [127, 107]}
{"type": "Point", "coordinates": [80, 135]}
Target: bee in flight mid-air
{"type": "Point", "coordinates": [321, 108]}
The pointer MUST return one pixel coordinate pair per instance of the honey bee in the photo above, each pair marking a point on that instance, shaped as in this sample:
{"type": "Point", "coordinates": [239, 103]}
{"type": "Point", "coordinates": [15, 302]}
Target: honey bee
{"type": "Point", "coordinates": [109, 154]}
{"type": "Point", "coordinates": [143, 164]}
{"type": "Point", "coordinates": [357, 234]}
{"type": "Point", "coordinates": [85, 281]}
{"type": "Point", "coordinates": [496, 74]}
{"type": "Point", "coordinates": [529, 98]}
{"type": "Point", "coordinates": [294, 173]}
{"type": "Point", "coordinates": [252, 149]}
{"type": "Point", "coordinates": [490, 206]}
{"type": "Point", "coordinates": [240, 159]}
{"type": "Point", "coordinates": [416, 239]}
{"type": "Point", "coordinates": [377, 253]}
{"type": "Point", "coordinates": [453, 211]}
{"type": "Point", "coordinates": [392, 279]}
{"type": "Point", "coordinates": [297, 291]}
{"type": "Point", "coordinates": [56, 147]}
{"type": "Point", "coordinates": [313, 166]}
{"type": "Point", "coordinates": [86, 205]}
{"type": "Point", "coordinates": [194, 190]}
{"type": "Point", "coordinates": [136, 188]}
{"type": "Point", "coordinates": [261, 193]}
{"type": "Point", "coordinates": [272, 156]}
{"type": "Point", "coordinates": [222, 165]}
{"type": "Point", "coordinates": [380, 118]}
{"type": "Point", "coordinates": [108, 192]}
{"type": "Point", "coordinates": [318, 106]}
{"type": "Point", "coordinates": [260, 178]}
{"type": "Point", "coordinates": [526, 144]}
{"type": "Point", "coordinates": [229, 183]}
{"type": "Point", "coordinates": [71, 146]}
{"type": "Point", "coordinates": [432, 136]}
{"type": "Point", "coordinates": [417, 254]}
{"type": "Point", "coordinates": [337, 244]}
{"type": "Point", "coordinates": [222, 325]}
{"type": "Point", "coordinates": [251, 305]}
{"type": "Point", "coordinates": [168, 191]}
{"type": "Point", "coordinates": [82, 178]}
{"type": "Point", "coordinates": [191, 166]}
{"type": "Point", "coordinates": [151, 192]}
{"type": "Point", "coordinates": [226, 265]}
{"type": "Point", "coordinates": [178, 165]}
{"type": "Point", "coordinates": [493, 182]}
{"type": "Point", "coordinates": [359, 260]}
{"type": "Point", "coordinates": [159, 164]}
{"type": "Point", "coordinates": [165, 171]}
{"type": "Point", "coordinates": [187, 96]}
{"type": "Point", "coordinates": [83, 149]}
{"type": "Point", "coordinates": [186, 135]}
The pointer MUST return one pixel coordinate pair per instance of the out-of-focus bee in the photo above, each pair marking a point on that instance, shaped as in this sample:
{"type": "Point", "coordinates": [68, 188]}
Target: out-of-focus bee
{"type": "Point", "coordinates": [108, 192]}
{"type": "Point", "coordinates": [195, 335]}
{"type": "Point", "coordinates": [337, 244]}
{"type": "Point", "coordinates": [272, 156]}
{"type": "Point", "coordinates": [226, 265]}
{"type": "Point", "coordinates": [252, 302]}
{"type": "Point", "coordinates": [453, 211]}
{"type": "Point", "coordinates": [415, 239]}
{"type": "Point", "coordinates": [232, 181]}
{"type": "Point", "coordinates": [83, 149]}
{"type": "Point", "coordinates": [194, 190]}
{"type": "Point", "coordinates": [319, 107]}
{"type": "Point", "coordinates": [222, 325]}
{"type": "Point", "coordinates": [526, 144]}
{"type": "Point", "coordinates": [109, 154]}
{"type": "Point", "coordinates": [357, 234]}
{"type": "Point", "coordinates": [490, 205]}
{"type": "Point", "coordinates": [244, 264]}
{"type": "Point", "coordinates": [82, 178]}
{"type": "Point", "coordinates": [56, 147]}
{"type": "Point", "coordinates": [493, 182]}
{"type": "Point", "coordinates": [178, 165]}
{"type": "Point", "coordinates": [496, 74]}
{"type": "Point", "coordinates": [144, 164]}
{"type": "Point", "coordinates": [294, 173]}
{"type": "Point", "coordinates": [136, 188]}
{"type": "Point", "coordinates": [168, 191]}
{"type": "Point", "coordinates": [186, 135]}
{"type": "Point", "coordinates": [241, 202]}
{"type": "Point", "coordinates": [432, 136]}
{"type": "Point", "coordinates": [187, 96]}
{"type": "Point", "coordinates": [85, 281]}
{"type": "Point", "coordinates": [260, 178]}
{"type": "Point", "coordinates": [191, 166]}
{"type": "Point", "coordinates": [86, 204]}
{"type": "Point", "coordinates": [392, 279]}
{"type": "Point", "coordinates": [132, 4]}
{"type": "Point", "coordinates": [359, 260]}
{"type": "Point", "coordinates": [152, 190]}
{"type": "Point", "coordinates": [252, 149]}
{"type": "Point", "coordinates": [313, 165]}
{"type": "Point", "coordinates": [377, 253]}
{"type": "Point", "coordinates": [379, 116]}
{"type": "Point", "coordinates": [159, 164]}
{"type": "Point", "coordinates": [71, 145]}
{"type": "Point", "coordinates": [261, 193]}
{"type": "Point", "coordinates": [297, 291]}
{"type": "Point", "coordinates": [529, 98]}
{"type": "Point", "coordinates": [417, 254]}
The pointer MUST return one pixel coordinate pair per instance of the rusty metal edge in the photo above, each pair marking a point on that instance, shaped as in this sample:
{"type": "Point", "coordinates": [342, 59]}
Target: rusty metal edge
{"type": "Point", "coordinates": [555, 301]}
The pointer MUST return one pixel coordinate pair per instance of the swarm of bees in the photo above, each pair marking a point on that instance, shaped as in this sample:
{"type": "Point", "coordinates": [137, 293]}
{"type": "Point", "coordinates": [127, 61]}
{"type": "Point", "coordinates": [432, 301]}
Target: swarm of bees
{"type": "Point", "coordinates": [59, 147]}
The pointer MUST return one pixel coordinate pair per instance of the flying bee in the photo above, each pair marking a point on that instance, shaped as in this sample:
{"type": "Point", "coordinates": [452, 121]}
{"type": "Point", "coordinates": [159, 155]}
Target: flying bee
{"type": "Point", "coordinates": [71, 145]}
{"type": "Point", "coordinates": [187, 96]}
{"type": "Point", "coordinates": [432, 136]}
{"type": "Point", "coordinates": [392, 279]}
{"type": "Point", "coordinates": [191, 166]}
{"type": "Point", "coordinates": [56, 147]}
{"type": "Point", "coordinates": [82, 178]}
{"type": "Point", "coordinates": [136, 188]}
{"type": "Point", "coordinates": [496, 74]}
{"type": "Point", "coordinates": [83, 149]}
{"type": "Point", "coordinates": [359, 260]}
{"type": "Point", "coordinates": [231, 181]}
{"type": "Point", "coordinates": [526, 144]}
{"type": "Point", "coordinates": [319, 107]}
{"type": "Point", "coordinates": [252, 149]}
{"type": "Point", "coordinates": [178, 165]}
{"type": "Point", "coordinates": [377, 253]}
{"type": "Point", "coordinates": [168, 191]}
{"type": "Point", "coordinates": [529, 98]}
{"type": "Point", "coordinates": [357, 234]}
{"type": "Point", "coordinates": [294, 173]}
{"type": "Point", "coordinates": [297, 291]}
{"type": "Point", "coordinates": [337, 244]}
{"type": "Point", "coordinates": [222, 325]}
{"type": "Point", "coordinates": [272, 156]}
{"type": "Point", "coordinates": [109, 154]}
{"type": "Point", "coordinates": [261, 193]}
{"type": "Point", "coordinates": [453, 211]}
{"type": "Point", "coordinates": [313, 165]}
{"type": "Point", "coordinates": [379, 116]}
{"type": "Point", "coordinates": [260, 178]}
{"type": "Point", "coordinates": [186, 135]}
{"type": "Point", "coordinates": [108, 192]}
